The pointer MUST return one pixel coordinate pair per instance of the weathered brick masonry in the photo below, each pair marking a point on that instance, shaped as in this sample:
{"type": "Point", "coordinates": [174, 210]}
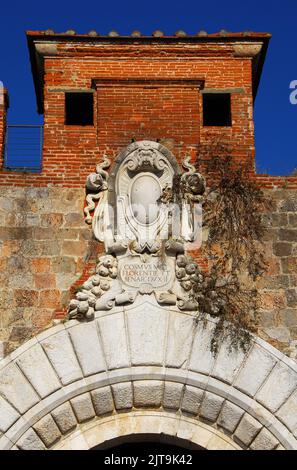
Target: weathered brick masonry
{"type": "Point", "coordinates": [142, 88]}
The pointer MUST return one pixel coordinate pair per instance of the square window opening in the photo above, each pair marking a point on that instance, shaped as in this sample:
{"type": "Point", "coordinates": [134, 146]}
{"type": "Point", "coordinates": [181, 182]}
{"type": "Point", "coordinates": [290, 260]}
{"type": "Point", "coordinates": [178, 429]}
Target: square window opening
{"type": "Point", "coordinates": [79, 109]}
{"type": "Point", "coordinates": [217, 109]}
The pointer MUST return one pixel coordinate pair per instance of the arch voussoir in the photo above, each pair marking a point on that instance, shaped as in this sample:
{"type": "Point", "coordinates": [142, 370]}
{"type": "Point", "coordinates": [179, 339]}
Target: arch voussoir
{"type": "Point", "coordinates": [80, 381]}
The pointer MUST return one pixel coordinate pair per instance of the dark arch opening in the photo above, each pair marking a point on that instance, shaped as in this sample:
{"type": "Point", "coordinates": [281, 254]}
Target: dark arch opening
{"type": "Point", "coordinates": [146, 444]}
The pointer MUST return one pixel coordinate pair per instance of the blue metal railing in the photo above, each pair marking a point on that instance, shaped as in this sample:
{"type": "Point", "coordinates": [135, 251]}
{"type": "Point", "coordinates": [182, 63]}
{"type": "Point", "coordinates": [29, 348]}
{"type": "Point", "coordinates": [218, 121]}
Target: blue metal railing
{"type": "Point", "coordinates": [23, 148]}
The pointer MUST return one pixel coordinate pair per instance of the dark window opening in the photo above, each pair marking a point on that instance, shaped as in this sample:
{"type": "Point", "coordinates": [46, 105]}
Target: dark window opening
{"type": "Point", "coordinates": [216, 109]}
{"type": "Point", "coordinates": [79, 109]}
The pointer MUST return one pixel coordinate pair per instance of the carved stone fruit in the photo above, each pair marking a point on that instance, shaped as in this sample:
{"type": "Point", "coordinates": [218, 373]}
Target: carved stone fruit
{"type": "Point", "coordinates": [83, 307]}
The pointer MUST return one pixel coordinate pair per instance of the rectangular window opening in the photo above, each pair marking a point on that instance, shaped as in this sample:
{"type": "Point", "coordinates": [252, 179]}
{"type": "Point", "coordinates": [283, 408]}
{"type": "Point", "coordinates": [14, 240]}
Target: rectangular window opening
{"type": "Point", "coordinates": [217, 109]}
{"type": "Point", "coordinates": [79, 109]}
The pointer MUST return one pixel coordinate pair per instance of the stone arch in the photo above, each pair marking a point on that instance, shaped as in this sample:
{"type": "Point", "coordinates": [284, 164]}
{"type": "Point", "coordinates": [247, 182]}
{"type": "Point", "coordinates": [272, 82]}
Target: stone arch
{"type": "Point", "coordinates": [144, 423]}
{"type": "Point", "coordinates": [145, 361]}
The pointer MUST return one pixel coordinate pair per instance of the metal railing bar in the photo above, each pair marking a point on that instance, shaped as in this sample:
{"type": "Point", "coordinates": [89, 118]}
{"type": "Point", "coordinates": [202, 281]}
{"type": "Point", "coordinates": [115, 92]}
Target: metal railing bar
{"type": "Point", "coordinates": [25, 125]}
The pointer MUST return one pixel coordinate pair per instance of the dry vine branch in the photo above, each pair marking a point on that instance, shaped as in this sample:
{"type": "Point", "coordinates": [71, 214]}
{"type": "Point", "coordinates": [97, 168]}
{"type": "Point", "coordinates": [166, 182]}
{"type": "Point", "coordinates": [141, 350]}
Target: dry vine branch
{"type": "Point", "coordinates": [233, 210]}
{"type": "Point", "coordinates": [233, 214]}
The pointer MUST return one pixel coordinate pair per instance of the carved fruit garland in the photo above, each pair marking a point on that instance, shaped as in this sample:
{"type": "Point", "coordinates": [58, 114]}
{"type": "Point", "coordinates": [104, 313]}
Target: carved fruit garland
{"type": "Point", "coordinates": [88, 299]}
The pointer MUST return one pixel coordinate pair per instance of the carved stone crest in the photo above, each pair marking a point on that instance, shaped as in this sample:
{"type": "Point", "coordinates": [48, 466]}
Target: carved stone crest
{"type": "Point", "coordinates": [142, 256]}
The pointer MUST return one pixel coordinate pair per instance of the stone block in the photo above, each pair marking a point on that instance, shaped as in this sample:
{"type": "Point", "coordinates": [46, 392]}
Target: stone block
{"type": "Point", "coordinates": [147, 328]}
{"type": "Point", "coordinates": [191, 400]}
{"type": "Point", "coordinates": [67, 234]}
{"type": "Point", "coordinates": [16, 389]}
{"type": "Point", "coordinates": [291, 295]}
{"type": "Point", "coordinates": [49, 247]}
{"type": "Point", "coordinates": [288, 234]}
{"type": "Point", "coordinates": [74, 219]}
{"type": "Point", "coordinates": [202, 359]}
{"type": "Point", "coordinates": [32, 220]}
{"type": "Point", "coordinates": [6, 298]}
{"type": "Point", "coordinates": [288, 413]}
{"type": "Point", "coordinates": [47, 430]}
{"type": "Point", "coordinates": [267, 318]}
{"type": "Point", "coordinates": [39, 194]}
{"type": "Point", "coordinates": [113, 334]}
{"type": "Point", "coordinates": [293, 220]}
{"type": "Point", "coordinates": [8, 415]}
{"type": "Point", "coordinates": [74, 248]}
{"type": "Point", "coordinates": [8, 316]}
{"type": "Point", "coordinates": [49, 298]}
{"type": "Point", "coordinates": [172, 395]}
{"type": "Point", "coordinates": [88, 349]}
{"type": "Point", "coordinates": [273, 266]}
{"type": "Point", "coordinates": [64, 281]}
{"type": "Point", "coordinates": [181, 330]}
{"type": "Point", "coordinates": [289, 205]}
{"type": "Point", "coordinates": [6, 204]}
{"type": "Point", "coordinates": [85, 234]}
{"type": "Point", "coordinates": [54, 220]}
{"type": "Point", "coordinates": [15, 233]}
{"type": "Point", "coordinates": [45, 281]}
{"type": "Point", "coordinates": [64, 418]}
{"type": "Point", "coordinates": [123, 395]}
{"type": "Point", "coordinates": [288, 317]}
{"type": "Point", "coordinates": [289, 265]}
{"type": "Point", "coordinates": [21, 280]}
{"type": "Point", "coordinates": [279, 385]}
{"type": "Point", "coordinates": [62, 357]}
{"type": "Point", "coordinates": [272, 300]}
{"type": "Point", "coordinates": [40, 265]}
{"type": "Point", "coordinates": [148, 393]}
{"type": "Point", "coordinates": [25, 298]}
{"type": "Point", "coordinates": [210, 407]}
{"type": "Point", "coordinates": [279, 333]}
{"type": "Point", "coordinates": [63, 264]}
{"type": "Point", "coordinates": [256, 368]}
{"type": "Point", "coordinates": [228, 362]}
{"type": "Point", "coordinates": [30, 441]}
{"type": "Point", "coordinates": [271, 234]}
{"type": "Point", "coordinates": [83, 407]}
{"type": "Point", "coordinates": [282, 248]}
{"type": "Point", "coordinates": [264, 441]}
{"type": "Point", "coordinates": [230, 416]}
{"type": "Point", "coordinates": [42, 233]}
{"type": "Point", "coordinates": [275, 219]}
{"type": "Point", "coordinates": [102, 401]}
{"type": "Point", "coordinates": [32, 248]}
{"type": "Point", "coordinates": [247, 429]}
{"type": "Point", "coordinates": [37, 368]}
{"type": "Point", "coordinates": [281, 281]}
{"type": "Point", "coordinates": [20, 333]}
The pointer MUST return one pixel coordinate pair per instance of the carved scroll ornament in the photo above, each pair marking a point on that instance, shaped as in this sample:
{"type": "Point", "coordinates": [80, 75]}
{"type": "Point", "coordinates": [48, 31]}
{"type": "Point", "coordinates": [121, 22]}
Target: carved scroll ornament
{"type": "Point", "coordinates": [142, 255]}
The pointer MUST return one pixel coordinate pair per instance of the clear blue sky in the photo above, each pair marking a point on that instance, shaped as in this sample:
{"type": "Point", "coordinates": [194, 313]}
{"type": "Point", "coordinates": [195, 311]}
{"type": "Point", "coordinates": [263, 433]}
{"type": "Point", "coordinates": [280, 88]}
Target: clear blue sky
{"type": "Point", "coordinates": [275, 117]}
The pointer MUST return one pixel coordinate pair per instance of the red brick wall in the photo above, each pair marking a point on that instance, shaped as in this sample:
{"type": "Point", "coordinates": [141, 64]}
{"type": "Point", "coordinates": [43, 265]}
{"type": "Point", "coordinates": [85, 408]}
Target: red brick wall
{"type": "Point", "coordinates": [148, 95]}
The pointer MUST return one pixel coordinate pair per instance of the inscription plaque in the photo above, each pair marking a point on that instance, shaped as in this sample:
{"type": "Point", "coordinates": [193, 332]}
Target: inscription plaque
{"type": "Point", "coordinates": [135, 273]}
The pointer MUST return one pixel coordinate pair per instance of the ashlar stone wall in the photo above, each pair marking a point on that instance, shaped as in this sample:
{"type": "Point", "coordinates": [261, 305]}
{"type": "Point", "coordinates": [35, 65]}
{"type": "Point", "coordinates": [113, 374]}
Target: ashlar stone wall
{"type": "Point", "coordinates": [46, 248]}
{"type": "Point", "coordinates": [278, 287]}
